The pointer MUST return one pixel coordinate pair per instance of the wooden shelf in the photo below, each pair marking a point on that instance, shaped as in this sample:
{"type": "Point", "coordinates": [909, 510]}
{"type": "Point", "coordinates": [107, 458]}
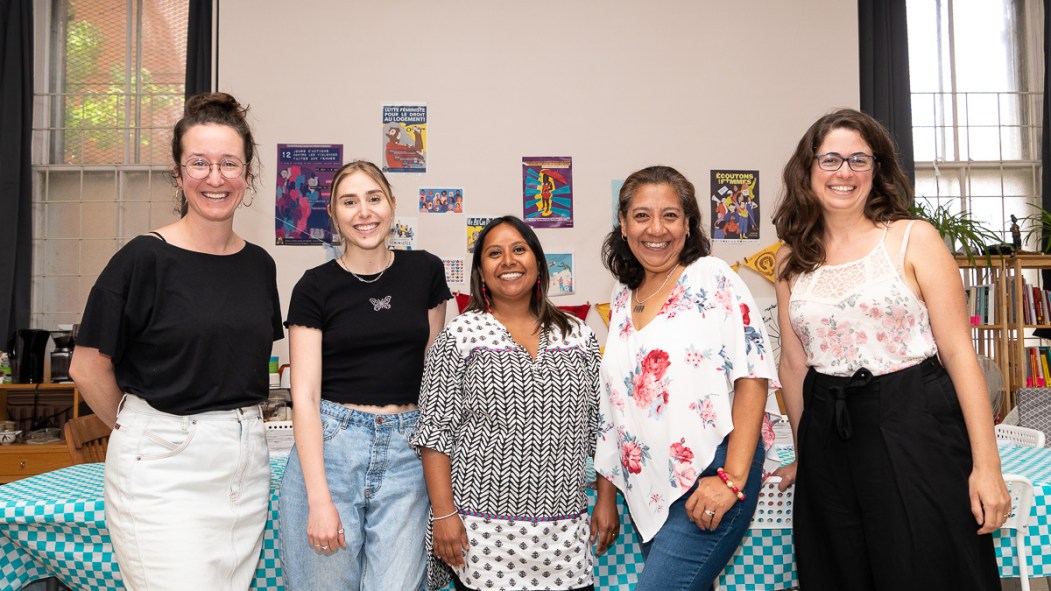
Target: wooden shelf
{"type": "Point", "coordinates": [19, 460]}
{"type": "Point", "coordinates": [1004, 341]}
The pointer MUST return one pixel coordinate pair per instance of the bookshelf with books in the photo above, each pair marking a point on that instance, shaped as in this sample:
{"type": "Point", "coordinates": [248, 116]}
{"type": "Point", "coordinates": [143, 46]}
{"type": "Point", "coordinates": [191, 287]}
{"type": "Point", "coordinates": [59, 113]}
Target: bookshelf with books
{"type": "Point", "coordinates": [1006, 305]}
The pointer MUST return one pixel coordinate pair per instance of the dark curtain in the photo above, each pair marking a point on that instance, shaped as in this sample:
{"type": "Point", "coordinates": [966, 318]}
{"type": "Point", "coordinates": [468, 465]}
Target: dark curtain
{"type": "Point", "coordinates": [1045, 161]}
{"type": "Point", "coordinates": [883, 39]}
{"type": "Point", "coordinates": [1045, 142]}
{"type": "Point", "coordinates": [16, 190]}
{"type": "Point", "coordinates": [199, 48]}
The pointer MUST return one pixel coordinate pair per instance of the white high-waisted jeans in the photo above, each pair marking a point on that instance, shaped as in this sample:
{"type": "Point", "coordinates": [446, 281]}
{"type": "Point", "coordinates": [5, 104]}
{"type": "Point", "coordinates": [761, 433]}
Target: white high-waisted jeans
{"type": "Point", "coordinates": [187, 497]}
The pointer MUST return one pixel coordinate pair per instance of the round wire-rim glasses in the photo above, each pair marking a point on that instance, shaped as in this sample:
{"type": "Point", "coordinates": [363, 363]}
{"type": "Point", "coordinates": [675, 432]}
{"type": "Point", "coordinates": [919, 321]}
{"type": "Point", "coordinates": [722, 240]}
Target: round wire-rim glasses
{"type": "Point", "coordinates": [199, 168]}
{"type": "Point", "coordinates": [833, 162]}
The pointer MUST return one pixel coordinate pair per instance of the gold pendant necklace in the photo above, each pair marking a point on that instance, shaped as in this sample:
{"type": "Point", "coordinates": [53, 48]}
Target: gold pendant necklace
{"type": "Point", "coordinates": [640, 303]}
{"type": "Point", "coordinates": [390, 261]}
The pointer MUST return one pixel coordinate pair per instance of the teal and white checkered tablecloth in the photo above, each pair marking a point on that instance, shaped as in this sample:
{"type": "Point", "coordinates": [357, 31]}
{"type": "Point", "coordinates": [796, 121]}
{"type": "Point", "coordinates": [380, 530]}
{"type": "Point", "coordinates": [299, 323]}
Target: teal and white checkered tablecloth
{"type": "Point", "coordinates": [54, 525]}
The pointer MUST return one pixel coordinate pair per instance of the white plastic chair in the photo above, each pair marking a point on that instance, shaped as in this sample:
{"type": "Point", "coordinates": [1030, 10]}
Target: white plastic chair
{"type": "Point", "coordinates": [1021, 490]}
{"type": "Point", "coordinates": [1021, 436]}
{"type": "Point", "coordinates": [774, 508]}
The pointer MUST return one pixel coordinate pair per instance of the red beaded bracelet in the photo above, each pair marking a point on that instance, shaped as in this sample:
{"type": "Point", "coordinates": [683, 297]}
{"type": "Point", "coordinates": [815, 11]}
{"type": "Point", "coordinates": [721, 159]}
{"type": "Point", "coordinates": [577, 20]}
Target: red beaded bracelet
{"type": "Point", "coordinates": [730, 485]}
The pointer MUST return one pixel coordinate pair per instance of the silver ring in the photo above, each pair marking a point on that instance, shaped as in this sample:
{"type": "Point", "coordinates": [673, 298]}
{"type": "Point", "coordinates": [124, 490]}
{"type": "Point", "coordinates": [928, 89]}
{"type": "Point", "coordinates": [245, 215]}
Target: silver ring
{"type": "Point", "coordinates": [709, 513]}
{"type": "Point", "coordinates": [323, 547]}
{"type": "Point", "coordinates": [339, 531]}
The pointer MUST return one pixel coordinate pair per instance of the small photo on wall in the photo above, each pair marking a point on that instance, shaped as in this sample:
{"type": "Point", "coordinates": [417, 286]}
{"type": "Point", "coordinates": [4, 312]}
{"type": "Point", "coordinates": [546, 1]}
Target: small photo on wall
{"type": "Point", "coordinates": [447, 200]}
{"type": "Point", "coordinates": [560, 268]}
{"type": "Point", "coordinates": [453, 271]}
{"type": "Point", "coordinates": [615, 186]}
{"type": "Point", "coordinates": [402, 234]}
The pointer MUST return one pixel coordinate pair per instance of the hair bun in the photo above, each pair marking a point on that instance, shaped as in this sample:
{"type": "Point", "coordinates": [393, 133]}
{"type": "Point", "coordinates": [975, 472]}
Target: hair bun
{"type": "Point", "coordinates": [217, 103]}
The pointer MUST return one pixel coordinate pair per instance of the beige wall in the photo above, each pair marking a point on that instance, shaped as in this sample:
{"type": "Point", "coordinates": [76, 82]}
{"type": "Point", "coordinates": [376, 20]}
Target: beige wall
{"type": "Point", "coordinates": [616, 84]}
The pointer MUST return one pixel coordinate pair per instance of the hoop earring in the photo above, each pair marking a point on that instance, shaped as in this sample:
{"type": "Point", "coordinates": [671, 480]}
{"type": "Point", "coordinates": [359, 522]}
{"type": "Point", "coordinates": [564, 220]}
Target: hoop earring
{"type": "Point", "coordinates": [248, 203]}
{"type": "Point", "coordinates": [485, 296]}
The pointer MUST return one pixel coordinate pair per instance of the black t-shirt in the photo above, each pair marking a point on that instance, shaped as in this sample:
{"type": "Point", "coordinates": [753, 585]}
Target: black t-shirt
{"type": "Point", "coordinates": [187, 331]}
{"type": "Point", "coordinates": [373, 334]}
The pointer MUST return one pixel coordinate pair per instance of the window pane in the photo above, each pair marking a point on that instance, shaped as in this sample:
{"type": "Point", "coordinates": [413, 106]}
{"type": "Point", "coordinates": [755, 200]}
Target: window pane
{"type": "Point", "coordinates": [117, 90]}
{"type": "Point", "coordinates": [987, 54]}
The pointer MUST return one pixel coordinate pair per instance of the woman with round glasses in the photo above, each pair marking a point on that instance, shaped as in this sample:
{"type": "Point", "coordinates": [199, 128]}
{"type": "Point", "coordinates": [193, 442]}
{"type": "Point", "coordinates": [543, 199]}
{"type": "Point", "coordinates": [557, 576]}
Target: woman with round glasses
{"type": "Point", "coordinates": [172, 352]}
{"type": "Point", "coordinates": [898, 481]}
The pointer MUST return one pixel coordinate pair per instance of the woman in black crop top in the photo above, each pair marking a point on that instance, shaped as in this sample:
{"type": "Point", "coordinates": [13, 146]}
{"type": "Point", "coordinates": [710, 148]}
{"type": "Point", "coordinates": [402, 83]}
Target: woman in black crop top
{"type": "Point", "coordinates": [353, 500]}
{"type": "Point", "coordinates": [172, 352]}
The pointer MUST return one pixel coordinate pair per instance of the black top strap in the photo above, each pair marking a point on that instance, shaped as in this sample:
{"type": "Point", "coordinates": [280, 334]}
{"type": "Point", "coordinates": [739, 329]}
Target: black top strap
{"type": "Point", "coordinates": [158, 235]}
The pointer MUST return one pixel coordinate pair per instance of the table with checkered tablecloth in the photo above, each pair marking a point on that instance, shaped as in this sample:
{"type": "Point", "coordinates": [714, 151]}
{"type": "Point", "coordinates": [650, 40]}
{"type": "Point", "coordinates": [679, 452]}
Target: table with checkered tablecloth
{"type": "Point", "coordinates": [766, 559]}
{"type": "Point", "coordinates": [53, 525]}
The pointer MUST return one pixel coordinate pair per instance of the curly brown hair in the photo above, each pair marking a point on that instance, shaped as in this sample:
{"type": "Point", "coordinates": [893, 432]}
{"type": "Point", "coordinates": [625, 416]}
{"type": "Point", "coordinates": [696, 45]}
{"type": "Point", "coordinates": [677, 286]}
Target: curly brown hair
{"type": "Point", "coordinates": [799, 218]}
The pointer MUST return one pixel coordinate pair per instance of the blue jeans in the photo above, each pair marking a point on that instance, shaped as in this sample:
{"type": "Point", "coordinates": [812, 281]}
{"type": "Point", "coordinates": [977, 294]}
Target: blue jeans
{"type": "Point", "coordinates": [684, 557]}
{"type": "Point", "coordinates": [376, 482]}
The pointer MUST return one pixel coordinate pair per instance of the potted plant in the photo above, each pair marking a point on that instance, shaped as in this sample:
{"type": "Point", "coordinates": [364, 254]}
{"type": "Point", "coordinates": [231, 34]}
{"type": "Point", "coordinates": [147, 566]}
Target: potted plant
{"type": "Point", "coordinates": [961, 233]}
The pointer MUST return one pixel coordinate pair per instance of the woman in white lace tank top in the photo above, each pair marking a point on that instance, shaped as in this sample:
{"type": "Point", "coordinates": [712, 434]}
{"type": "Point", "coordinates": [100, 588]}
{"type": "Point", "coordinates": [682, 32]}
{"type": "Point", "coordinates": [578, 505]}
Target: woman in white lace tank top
{"type": "Point", "coordinates": [898, 482]}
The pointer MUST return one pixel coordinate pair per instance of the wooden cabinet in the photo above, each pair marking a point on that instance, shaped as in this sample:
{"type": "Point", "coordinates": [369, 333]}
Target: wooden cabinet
{"type": "Point", "coordinates": [60, 402]}
{"type": "Point", "coordinates": [20, 460]}
{"type": "Point", "coordinates": [1003, 336]}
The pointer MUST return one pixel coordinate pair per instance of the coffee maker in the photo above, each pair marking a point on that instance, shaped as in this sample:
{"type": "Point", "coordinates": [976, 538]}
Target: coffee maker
{"type": "Point", "coordinates": [61, 355]}
{"type": "Point", "coordinates": [27, 359]}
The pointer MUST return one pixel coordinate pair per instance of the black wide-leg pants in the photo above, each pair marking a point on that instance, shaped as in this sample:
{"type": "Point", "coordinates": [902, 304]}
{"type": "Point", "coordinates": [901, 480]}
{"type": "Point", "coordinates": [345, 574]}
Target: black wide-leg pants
{"type": "Point", "coordinates": [882, 498]}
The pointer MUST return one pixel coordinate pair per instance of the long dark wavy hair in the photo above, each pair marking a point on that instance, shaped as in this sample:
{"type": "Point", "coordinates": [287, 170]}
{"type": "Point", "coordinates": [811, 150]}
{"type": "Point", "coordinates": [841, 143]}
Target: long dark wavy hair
{"type": "Point", "coordinates": [548, 315]}
{"type": "Point", "coordinates": [799, 219]}
{"type": "Point", "coordinates": [616, 254]}
{"type": "Point", "coordinates": [217, 108]}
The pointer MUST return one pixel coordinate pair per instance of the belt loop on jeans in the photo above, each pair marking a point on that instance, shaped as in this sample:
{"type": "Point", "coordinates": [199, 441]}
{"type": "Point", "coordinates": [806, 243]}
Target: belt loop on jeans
{"type": "Point", "coordinates": [860, 379]}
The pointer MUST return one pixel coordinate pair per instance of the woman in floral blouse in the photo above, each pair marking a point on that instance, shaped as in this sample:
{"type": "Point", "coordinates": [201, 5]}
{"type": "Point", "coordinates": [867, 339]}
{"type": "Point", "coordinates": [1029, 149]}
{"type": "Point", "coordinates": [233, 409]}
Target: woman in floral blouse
{"type": "Point", "coordinates": [686, 377]}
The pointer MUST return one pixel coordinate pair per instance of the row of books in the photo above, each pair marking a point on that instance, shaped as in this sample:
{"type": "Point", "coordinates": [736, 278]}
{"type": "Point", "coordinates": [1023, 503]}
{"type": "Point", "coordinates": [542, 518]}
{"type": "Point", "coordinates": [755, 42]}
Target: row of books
{"type": "Point", "coordinates": [982, 304]}
{"type": "Point", "coordinates": [1038, 367]}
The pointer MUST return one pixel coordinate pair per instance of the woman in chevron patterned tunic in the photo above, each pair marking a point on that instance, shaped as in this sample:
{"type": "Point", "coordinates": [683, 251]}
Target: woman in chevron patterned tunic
{"type": "Point", "coordinates": [686, 377]}
{"type": "Point", "coordinates": [507, 415]}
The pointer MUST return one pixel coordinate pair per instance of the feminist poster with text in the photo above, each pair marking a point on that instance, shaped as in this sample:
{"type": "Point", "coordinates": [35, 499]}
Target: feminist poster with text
{"type": "Point", "coordinates": [735, 205]}
{"type": "Point", "coordinates": [405, 138]}
{"type": "Point", "coordinates": [304, 185]}
{"type": "Point", "coordinates": [547, 191]}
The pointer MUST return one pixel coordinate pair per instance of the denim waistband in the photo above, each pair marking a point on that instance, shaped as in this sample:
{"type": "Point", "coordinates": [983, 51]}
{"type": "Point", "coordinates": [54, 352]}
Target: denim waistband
{"type": "Point", "coordinates": [133, 403]}
{"type": "Point", "coordinates": [349, 416]}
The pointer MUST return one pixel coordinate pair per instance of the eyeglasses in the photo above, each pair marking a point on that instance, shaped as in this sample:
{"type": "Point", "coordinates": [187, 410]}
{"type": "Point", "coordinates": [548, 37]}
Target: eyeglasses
{"type": "Point", "coordinates": [833, 162]}
{"type": "Point", "coordinates": [199, 168]}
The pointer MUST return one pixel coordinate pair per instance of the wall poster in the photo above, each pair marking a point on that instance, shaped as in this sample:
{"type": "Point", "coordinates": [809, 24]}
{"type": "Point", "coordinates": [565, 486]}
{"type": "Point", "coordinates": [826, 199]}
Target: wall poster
{"type": "Point", "coordinates": [547, 191]}
{"type": "Point", "coordinates": [304, 184]}
{"type": "Point", "coordinates": [405, 138]}
{"type": "Point", "coordinates": [474, 226]}
{"type": "Point", "coordinates": [735, 205]}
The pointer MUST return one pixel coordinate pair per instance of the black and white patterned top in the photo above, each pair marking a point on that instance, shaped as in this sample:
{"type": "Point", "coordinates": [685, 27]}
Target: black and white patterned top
{"type": "Point", "coordinates": [517, 431]}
